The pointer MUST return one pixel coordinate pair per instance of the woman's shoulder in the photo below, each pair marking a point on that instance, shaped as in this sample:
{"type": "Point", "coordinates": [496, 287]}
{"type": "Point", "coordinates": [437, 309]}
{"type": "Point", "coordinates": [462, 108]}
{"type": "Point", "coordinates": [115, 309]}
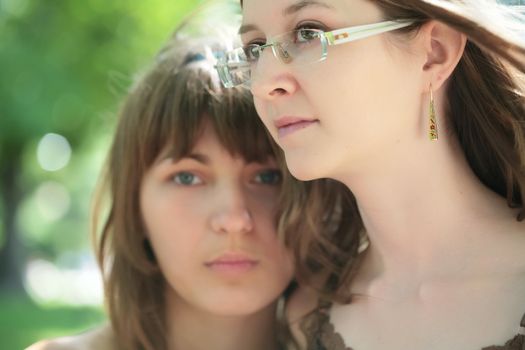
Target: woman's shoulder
{"type": "Point", "coordinates": [100, 338]}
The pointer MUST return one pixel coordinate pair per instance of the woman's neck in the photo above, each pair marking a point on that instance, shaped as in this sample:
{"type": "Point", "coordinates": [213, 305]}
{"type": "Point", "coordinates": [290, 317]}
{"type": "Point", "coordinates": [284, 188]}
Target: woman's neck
{"type": "Point", "coordinates": [425, 212]}
{"type": "Point", "coordinates": [190, 328]}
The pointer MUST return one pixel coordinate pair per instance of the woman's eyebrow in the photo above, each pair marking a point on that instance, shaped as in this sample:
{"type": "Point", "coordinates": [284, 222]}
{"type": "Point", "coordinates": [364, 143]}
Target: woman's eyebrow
{"type": "Point", "coordinates": [199, 157]}
{"type": "Point", "coordinates": [288, 11]}
{"type": "Point", "coordinates": [247, 28]}
{"type": "Point", "coordinates": [299, 5]}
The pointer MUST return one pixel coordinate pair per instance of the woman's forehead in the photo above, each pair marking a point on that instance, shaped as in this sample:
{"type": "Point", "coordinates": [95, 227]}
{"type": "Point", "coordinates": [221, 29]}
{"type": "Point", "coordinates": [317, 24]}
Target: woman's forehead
{"type": "Point", "coordinates": [263, 14]}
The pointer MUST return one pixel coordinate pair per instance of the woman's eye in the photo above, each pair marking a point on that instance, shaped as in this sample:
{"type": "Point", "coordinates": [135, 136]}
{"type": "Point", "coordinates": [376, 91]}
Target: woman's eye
{"type": "Point", "coordinates": [186, 179]}
{"type": "Point", "coordinates": [269, 177]}
{"type": "Point", "coordinates": [310, 25]}
{"type": "Point", "coordinates": [252, 52]}
{"type": "Point", "coordinates": [306, 35]}
{"type": "Point", "coordinates": [257, 42]}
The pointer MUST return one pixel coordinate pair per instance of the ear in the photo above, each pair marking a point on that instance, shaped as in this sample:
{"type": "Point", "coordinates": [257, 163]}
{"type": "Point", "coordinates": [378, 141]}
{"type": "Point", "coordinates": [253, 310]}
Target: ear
{"type": "Point", "coordinates": [444, 47]}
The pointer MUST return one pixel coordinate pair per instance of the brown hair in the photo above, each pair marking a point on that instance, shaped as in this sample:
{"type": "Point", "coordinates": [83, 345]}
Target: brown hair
{"type": "Point", "coordinates": [165, 109]}
{"type": "Point", "coordinates": [486, 111]}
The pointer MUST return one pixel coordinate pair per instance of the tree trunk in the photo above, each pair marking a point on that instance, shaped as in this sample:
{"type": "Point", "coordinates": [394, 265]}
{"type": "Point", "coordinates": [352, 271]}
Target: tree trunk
{"type": "Point", "coordinates": [12, 253]}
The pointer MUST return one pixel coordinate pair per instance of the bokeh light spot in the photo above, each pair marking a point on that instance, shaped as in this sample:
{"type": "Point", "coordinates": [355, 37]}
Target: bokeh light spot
{"type": "Point", "coordinates": [53, 152]}
{"type": "Point", "coordinates": [49, 283]}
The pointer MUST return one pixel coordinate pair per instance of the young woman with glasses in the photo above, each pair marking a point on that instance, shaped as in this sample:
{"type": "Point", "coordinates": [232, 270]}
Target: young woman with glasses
{"type": "Point", "coordinates": [418, 107]}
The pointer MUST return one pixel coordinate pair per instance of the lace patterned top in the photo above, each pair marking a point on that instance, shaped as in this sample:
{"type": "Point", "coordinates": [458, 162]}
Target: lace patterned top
{"type": "Point", "coordinates": [321, 335]}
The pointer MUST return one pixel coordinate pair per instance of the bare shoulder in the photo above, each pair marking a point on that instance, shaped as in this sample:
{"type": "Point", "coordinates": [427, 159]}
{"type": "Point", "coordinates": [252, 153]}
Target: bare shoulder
{"type": "Point", "coordinates": [302, 302]}
{"type": "Point", "coordinates": [100, 338]}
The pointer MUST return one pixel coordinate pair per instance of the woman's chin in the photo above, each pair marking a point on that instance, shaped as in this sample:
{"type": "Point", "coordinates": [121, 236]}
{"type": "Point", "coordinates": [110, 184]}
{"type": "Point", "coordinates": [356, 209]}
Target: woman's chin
{"type": "Point", "coordinates": [301, 170]}
{"type": "Point", "coordinates": [240, 308]}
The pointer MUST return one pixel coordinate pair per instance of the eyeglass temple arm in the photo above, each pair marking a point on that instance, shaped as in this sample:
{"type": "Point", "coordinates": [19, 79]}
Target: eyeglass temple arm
{"type": "Point", "coordinates": [344, 35]}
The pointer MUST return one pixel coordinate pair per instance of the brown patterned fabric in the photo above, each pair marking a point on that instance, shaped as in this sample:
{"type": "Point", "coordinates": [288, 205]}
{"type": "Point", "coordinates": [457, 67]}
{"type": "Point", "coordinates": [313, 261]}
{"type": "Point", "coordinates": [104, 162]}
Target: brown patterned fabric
{"type": "Point", "coordinates": [321, 335]}
{"type": "Point", "coordinates": [320, 332]}
{"type": "Point", "coordinates": [516, 343]}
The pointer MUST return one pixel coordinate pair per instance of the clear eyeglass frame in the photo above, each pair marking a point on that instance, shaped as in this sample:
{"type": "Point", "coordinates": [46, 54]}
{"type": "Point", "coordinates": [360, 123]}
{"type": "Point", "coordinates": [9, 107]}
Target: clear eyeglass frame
{"type": "Point", "coordinates": [293, 48]}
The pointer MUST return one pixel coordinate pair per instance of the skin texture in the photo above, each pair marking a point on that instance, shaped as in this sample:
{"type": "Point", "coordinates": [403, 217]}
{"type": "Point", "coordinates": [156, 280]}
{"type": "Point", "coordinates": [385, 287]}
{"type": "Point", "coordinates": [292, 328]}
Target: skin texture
{"type": "Point", "coordinates": [199, 209]}
{"type": "Point", "coordinates": [446, 253]}
{"type": "Point", "coordinates": [349, 117]}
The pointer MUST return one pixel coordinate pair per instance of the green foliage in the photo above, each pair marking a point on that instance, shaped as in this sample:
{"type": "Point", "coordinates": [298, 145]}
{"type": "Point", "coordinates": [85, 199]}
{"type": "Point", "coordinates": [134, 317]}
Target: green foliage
{"type": "Point", "coordinates": [2, 233]}
{"type": "Point", "coordinates": [65, 67]}
{"type": "Point", "coordinates": [23, 322]}
{"type": "Point", "coordinates": [68, 61]}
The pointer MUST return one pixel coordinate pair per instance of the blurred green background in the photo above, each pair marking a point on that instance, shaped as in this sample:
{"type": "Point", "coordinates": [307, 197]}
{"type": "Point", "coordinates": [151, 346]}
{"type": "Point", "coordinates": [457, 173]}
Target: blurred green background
{"type": "Point", "coordinates": [64, 67]}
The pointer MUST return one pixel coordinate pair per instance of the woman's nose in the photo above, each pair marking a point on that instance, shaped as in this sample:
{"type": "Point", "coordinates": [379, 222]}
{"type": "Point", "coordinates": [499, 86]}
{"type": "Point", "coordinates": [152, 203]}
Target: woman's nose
{"type": "Point", "coordinates": [271, 78]}
{"type": "Point", "coordinates": [232, 215]}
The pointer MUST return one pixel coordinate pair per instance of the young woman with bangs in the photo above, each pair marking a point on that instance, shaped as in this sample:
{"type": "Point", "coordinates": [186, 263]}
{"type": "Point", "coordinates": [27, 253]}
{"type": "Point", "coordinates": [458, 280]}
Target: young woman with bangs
{"type": "Point", "coordinates": [189, 246]}
{"type": "Point", "coordinates": [418, 107]}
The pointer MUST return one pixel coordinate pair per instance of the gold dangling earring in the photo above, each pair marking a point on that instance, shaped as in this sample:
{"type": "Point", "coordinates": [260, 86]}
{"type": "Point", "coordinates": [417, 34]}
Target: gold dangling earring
{"type": "Point", "coordinates": [432, 131]}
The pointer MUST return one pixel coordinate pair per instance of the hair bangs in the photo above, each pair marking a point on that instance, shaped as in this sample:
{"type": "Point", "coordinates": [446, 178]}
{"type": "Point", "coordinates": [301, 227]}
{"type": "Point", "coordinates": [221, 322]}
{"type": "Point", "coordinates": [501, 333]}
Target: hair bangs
{"type": "Point", "coordinates": [183, 100]}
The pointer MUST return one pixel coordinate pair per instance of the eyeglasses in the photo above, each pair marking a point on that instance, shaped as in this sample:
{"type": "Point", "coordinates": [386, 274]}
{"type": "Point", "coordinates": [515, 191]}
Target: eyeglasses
{"type": "Point", "coordinates": [297, 47]}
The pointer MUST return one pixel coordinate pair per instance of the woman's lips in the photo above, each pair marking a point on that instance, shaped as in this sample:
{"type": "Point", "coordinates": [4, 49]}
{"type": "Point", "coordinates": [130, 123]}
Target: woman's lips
{"type": "Point", "coordinates": [287, 125]}
{"type": "Point", "coordinates": [232, 263]}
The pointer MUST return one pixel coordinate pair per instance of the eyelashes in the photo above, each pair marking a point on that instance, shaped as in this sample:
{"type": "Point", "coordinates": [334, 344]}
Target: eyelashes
{"type": "Point", "coordinates": [186, 178]}
{"type": "Point", "coordinates": [271, 177]}
{"type": "Point", "coordinates": [308, 24]}
{"type": "Point", "coordinates": [268, 177]}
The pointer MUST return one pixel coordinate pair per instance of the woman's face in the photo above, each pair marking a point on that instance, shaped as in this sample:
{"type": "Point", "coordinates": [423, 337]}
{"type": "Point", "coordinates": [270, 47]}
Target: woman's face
{"type": "Point", "coordinates": [351, 111]}
{"type": "Point", "coordinates": [210, 218]}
